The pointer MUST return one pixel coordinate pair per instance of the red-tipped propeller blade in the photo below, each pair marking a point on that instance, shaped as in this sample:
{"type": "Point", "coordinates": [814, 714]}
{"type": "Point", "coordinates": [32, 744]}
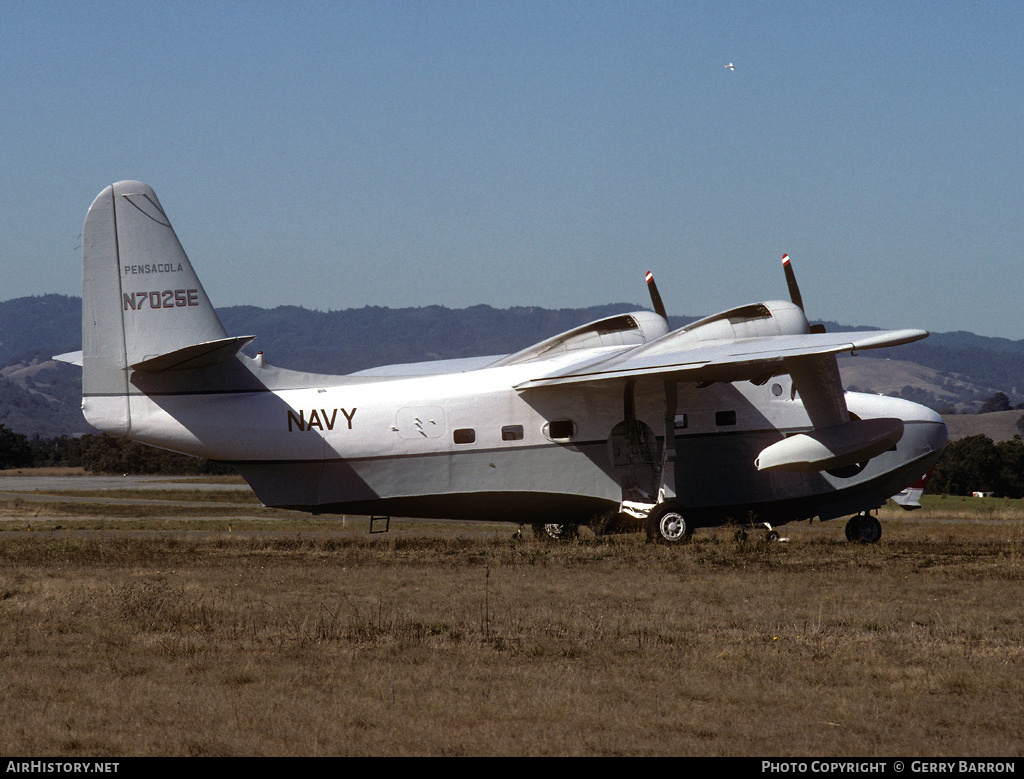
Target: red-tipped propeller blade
{"type": "Point", "coordinates": [659, 306]}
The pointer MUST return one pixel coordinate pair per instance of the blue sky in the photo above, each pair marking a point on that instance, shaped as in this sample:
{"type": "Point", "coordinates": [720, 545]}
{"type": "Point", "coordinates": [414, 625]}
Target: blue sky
{"type": "Point", "coordinates": [342, 154]}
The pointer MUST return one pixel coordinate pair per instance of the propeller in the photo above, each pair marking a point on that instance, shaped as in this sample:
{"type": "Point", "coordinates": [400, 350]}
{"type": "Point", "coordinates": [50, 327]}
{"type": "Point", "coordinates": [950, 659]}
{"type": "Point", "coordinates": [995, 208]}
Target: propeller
{"type": "Point", "coordinates": [659, 306]}
{"type": "Point", "coordinates": [794, 290]}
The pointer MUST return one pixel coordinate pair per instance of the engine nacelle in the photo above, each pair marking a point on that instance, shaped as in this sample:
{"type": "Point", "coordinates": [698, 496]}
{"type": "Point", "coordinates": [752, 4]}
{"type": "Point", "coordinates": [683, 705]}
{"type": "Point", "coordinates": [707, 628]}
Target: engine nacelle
{"type": "Point", "coordinates": [773, 317]}
{"type": "Point", "coordinates": [632, 329]}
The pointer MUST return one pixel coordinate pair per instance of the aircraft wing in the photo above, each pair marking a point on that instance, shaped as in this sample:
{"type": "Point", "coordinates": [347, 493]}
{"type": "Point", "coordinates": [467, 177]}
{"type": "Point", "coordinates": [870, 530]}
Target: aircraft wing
{"type": "Point", "coordinates": [677, 358]}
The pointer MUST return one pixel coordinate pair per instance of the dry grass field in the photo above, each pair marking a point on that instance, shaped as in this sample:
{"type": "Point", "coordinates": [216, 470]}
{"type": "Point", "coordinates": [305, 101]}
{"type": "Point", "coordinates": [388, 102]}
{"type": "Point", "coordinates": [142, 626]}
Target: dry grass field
{"type": "Point", "coordinates": [293, 636]}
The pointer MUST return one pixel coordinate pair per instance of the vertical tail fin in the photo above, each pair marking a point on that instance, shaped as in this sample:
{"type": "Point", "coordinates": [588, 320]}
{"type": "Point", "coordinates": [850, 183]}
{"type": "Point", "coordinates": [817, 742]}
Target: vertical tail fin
{"type": "Point", "coordinates": [140, 298]}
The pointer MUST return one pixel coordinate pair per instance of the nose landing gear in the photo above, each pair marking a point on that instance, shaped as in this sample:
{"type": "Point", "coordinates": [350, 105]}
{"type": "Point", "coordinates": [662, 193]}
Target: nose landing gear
{"type": "Point", "coordinates": [863, 528]}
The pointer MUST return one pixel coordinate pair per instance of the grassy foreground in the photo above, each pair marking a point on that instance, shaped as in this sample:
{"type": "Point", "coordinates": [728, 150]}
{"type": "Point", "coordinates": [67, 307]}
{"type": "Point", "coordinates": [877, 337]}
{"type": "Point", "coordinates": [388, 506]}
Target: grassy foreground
{"type": "Point", "coordinates": [319, 641]}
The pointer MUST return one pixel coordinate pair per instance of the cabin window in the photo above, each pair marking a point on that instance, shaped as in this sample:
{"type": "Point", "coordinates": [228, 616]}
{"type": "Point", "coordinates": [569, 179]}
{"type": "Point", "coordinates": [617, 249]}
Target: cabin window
{"type": "Point", "coordinates": [681, 423]}
{"type": "Point", "coordinates": [512, 433]}
{"type": "Point", "coordinates": [724, 418]}
{"type": "Point", "coordinates": [560, 430]}
{"type": "Point", "coordinates": [464, 435]}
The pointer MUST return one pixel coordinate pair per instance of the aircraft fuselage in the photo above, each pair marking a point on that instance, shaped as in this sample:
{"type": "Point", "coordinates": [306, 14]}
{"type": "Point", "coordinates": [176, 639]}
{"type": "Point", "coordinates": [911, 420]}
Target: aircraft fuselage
{"type": "Point", "coordinates": [469, 446]}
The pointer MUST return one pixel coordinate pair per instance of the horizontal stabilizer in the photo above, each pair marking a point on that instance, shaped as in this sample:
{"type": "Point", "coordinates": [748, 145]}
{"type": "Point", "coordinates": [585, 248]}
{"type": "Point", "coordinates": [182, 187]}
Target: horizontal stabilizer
{"type": "Point", "coordinates": [832, 447]}
{"type": "Point", "coordinates": [196, 355]}
{"type": "Point", "coordinates": [74, 358]}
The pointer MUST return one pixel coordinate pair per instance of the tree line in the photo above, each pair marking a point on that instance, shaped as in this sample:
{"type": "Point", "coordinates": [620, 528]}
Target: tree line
{"type": "Point", "coordinates": [98, 453]}
{"type": "Point", "coordinates": [975, 463]}
{"type": "Point", "coordinates": [978, 464]}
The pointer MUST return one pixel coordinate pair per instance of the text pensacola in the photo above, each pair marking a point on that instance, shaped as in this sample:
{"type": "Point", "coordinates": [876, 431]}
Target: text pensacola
{"type": "Point", "coordinates": [885, 766]}
{"type": "Point", "coordinates": [61, 767]}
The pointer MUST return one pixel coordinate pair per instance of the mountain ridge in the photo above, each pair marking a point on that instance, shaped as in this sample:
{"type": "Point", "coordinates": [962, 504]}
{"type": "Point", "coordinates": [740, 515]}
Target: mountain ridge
{"type": "Point", "coordinates": [39, 397]}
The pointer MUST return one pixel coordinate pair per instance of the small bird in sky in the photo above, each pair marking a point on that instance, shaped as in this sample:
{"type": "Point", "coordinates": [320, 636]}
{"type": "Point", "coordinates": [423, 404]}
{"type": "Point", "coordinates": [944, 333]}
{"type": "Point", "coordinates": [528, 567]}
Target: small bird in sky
{"type": "Point", "coordinates": [730, 66]}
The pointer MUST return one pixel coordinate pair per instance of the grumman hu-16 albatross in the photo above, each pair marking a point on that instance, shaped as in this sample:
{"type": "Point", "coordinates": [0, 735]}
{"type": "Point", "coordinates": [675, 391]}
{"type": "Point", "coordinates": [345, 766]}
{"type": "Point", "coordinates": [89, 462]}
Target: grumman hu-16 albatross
{"type": "Point", "coordinates": [739, 417]}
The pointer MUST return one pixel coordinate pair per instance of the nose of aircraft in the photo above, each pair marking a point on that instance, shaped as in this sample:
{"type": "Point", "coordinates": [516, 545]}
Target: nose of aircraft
{"type": "Point", "coordinates": [924, 431]}
{"type": "Point", "coordinates": [930, 433]}
{"type": "Point", "coordinates": [938, 433]}
{"type": "Point", "coordinates": [941, 434]}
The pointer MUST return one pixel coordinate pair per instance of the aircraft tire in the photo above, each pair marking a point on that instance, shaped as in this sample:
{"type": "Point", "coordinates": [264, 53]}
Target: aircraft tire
{"type": "Point", "coordinates": [863, 529]}
{"type": "Point", "coordinates": [554, 531]}
{"type": "Point", "coordinates": [667, 524]}
{"type": "Point", "coordinates": [870, 530]}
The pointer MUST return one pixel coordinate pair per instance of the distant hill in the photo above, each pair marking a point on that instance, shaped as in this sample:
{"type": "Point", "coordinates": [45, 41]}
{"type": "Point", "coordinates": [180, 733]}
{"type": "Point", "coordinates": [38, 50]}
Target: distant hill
{"type": "Point", "coordinates": [37, 396]}
{"type": "Point", "coordinates": [358, 338]}
{"type": "Point", "coordinates": [934, 388]}
{"type": "Point", "coordinates": [998, 425]}
{"type": "Point", "coordinates": [42, 398]}
{"type": "Point", "coordinates": [36, 328]}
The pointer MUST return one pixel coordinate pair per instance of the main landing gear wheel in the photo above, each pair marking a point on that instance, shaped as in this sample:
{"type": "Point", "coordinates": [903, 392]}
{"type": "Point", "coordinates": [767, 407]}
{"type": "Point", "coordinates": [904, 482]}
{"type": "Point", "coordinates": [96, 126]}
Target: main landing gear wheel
{"type": "Point", "coordinates": [554, 531]}
{"type": "Point", "coordinates": [864, 528]}
{"type": "Point", "coordinates": [667, 524]}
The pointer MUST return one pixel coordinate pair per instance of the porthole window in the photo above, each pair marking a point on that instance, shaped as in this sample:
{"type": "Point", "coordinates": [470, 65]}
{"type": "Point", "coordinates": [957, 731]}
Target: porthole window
{"type": "Point", "coordinates": [464, 435]}
{"type": "Point", "coordinates": [560, 430]}
{"type": "Point", "coordinates": [512, 433]}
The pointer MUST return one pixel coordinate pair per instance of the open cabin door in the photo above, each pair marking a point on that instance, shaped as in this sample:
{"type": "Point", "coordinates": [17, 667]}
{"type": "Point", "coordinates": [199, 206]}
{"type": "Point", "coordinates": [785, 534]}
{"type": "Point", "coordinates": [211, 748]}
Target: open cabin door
{"type": "Point", "coordinates": [635, 454]}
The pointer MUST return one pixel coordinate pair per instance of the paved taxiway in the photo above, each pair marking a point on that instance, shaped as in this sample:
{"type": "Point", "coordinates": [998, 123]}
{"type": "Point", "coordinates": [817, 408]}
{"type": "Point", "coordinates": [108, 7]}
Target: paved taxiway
{"type": "Point", "coordinates": [46, 483]}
